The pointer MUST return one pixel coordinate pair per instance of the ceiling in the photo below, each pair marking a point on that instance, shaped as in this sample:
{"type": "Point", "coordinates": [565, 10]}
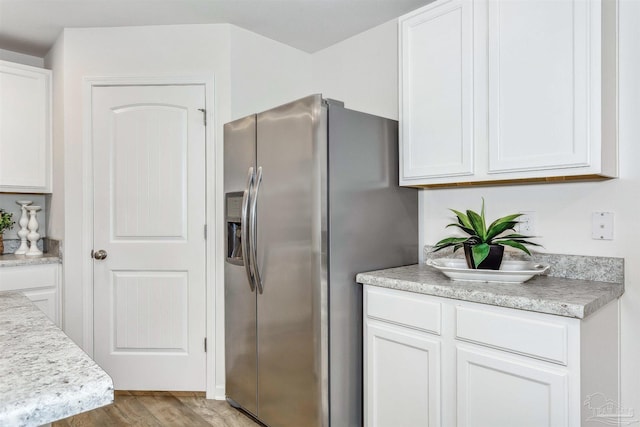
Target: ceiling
{"type": "Point", "coordinates": [32, 26]}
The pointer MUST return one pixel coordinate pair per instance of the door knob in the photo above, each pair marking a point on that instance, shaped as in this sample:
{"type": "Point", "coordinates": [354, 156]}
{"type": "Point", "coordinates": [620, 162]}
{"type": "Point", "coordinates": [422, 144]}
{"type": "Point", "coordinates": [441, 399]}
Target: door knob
{"type": "Point", "coordinates": [101, 254]}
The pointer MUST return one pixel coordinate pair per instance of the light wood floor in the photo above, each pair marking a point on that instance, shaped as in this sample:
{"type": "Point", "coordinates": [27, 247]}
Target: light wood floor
{"type": "Point", "coordinates": [154, 408]}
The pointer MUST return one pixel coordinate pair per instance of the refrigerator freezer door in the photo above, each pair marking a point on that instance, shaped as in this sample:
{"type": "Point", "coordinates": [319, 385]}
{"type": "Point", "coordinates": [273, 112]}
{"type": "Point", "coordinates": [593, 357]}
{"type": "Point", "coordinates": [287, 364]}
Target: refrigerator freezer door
{"type": "Point", "coordinates": [240, 301]}
{"type": "Point", "coordinates": [291, 258]}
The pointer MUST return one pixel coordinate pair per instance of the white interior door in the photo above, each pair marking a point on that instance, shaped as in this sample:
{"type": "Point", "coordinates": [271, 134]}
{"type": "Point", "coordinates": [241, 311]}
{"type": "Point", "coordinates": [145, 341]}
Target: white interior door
{"type": "Point", "coordinates": [149, 218]}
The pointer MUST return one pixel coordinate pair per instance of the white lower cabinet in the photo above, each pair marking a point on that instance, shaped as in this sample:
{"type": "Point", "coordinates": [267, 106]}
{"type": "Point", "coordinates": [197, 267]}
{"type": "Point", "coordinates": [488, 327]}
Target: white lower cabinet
{"type": "Point", "coordinates": [39, 283]}
{"type": "Point", "coordinates": [496, 390]}
{"type": "Point", "coordinates": [406, 393]}
{"type": "Point", "coordinates": [433, 361]}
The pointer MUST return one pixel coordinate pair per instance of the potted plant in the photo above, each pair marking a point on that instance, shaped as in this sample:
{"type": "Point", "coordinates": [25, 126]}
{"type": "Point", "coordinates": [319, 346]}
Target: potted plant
{"type": "Point", "coordinates": [484, 247]}
{"type": "Point", "coordinates": [6, 223]}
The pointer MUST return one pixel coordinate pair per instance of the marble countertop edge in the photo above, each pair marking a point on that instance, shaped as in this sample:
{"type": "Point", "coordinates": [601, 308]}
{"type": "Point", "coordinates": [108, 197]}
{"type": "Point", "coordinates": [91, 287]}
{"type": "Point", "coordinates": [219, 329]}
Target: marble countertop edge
{"type": "Point", "coordinates": [550, 295]}
{"type": "Point", "coordinates": [11, 260]}
{"type": "Point", "coordinates": [479, 296]}
{"type": "Point", "coordinates": [45, 375]}
{"type": "Point", "coordinates": [33, 414]}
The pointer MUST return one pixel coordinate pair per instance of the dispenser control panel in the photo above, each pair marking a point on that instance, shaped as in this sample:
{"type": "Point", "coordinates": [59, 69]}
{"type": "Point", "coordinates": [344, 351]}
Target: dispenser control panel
{"type": "Point", "coordinates": [233, 221]}
{"type": "Point", "coordinates": [234, 206]}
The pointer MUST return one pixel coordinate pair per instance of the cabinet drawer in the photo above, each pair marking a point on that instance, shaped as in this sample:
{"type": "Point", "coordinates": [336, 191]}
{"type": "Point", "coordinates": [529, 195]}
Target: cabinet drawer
{"type": "Point", "coordinates": [532, 337]}
{"type": "Point", "coordinates": [403, 308]}
{"type": "Point", "coordinates": [28, 277]}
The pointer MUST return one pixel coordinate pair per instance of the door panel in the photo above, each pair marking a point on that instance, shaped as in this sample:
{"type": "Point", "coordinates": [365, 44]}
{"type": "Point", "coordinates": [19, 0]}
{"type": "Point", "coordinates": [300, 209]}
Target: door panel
{"type": "Point", "coordinates": [538, 102]}
{"type": "Point", "coordinates": [149, 215]}
{"type": "Point", "coordinates": [291, 205]}
{"type": "Point", "coordinates": [151, 310]}
{"type": "Point", "coordinates": [403, 377]}
{"type": "Point", "coordinates": [25, 129]}
{"type": "Point", "coordinates": [437, 135]}
{"type": "Point", "coordinates": [497, 390]}
{"type": "Point", "coordinates": [150, 148]}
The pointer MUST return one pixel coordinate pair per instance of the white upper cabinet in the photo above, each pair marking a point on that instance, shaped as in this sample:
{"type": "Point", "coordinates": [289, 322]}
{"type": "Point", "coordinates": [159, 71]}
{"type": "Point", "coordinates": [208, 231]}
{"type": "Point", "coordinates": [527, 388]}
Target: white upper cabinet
{"type": "Point", "coordinates": [436, 91]}
{"type": "Point", "coordinates": [508, 90]}
{"type": "Point", "coordinates": [25, 129]}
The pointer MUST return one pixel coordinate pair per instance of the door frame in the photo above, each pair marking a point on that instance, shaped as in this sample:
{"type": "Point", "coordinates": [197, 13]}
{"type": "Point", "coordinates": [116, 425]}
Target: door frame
{"type": "Point", "coordinates": [214, 245]}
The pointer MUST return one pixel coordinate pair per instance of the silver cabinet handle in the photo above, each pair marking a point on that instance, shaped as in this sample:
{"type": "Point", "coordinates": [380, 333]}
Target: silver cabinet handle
{"type": "Point", "coordinates": [245, 224]}
{"type": "Point", "coordinates": [100, 254]}
{"type": "Point", "coordinates": [254, 231]}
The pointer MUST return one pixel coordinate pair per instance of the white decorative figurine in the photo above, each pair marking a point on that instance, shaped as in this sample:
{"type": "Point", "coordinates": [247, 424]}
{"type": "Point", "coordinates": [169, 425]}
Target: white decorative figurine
{"type": "Point", "coordinates": [33, 235]}
{"type": "Point", "coordinates": [24, 220]}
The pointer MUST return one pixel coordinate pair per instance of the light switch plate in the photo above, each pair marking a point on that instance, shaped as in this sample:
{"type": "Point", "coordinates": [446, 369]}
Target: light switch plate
{"type": "Point", "coordinates": [602, 225]}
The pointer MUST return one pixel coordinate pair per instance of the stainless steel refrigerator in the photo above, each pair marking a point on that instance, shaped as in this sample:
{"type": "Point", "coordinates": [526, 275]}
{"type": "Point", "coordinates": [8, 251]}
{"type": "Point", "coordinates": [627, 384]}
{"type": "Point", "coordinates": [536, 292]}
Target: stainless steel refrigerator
{"type": "Point", "coordinates": [311, 199]}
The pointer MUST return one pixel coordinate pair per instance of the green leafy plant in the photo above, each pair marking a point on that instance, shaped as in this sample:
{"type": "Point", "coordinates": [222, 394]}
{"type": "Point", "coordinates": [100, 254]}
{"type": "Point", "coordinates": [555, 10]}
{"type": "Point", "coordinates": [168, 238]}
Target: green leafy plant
{"type": "Point", "coordinates": [482, 237]}
{"type": "Point", "coordinates": [6, 221]}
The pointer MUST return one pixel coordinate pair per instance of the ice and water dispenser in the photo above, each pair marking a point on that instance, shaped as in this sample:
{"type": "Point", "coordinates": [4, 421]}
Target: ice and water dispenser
{"type": "Point", "coordinates": [233, 215]}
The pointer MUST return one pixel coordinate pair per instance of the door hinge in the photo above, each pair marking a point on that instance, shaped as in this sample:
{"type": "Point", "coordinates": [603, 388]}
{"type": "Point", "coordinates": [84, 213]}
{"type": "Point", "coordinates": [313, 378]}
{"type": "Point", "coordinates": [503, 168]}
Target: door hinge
{"type": "Point", "coordinates": [205, 232]}
{"type": "Point", "coordinates": [205, 344]}
{"type": "Point", "coordinates": [204, 113]}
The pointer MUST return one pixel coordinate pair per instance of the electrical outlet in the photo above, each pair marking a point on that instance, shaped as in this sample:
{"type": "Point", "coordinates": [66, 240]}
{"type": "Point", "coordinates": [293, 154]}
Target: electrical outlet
{"type": "Point", "coordinates": [527, 223]}
{"type": "Point", "coordinates": [602, 225]}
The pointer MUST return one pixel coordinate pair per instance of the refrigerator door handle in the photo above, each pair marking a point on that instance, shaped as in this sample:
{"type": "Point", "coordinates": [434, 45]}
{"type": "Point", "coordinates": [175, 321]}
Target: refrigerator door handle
{"type": "Point", "coordinates": [246, 225]}
{"type": "Point", "coordinates": [253, 232]}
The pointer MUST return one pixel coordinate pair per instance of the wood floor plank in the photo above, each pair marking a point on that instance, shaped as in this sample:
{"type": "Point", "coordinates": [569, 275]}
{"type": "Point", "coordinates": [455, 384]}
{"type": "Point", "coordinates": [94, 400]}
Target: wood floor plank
{"type": "Point", "coordinates": [218, 413]}
{"type": "Point", "coordinates": [171, 411]}
{"type": "Point", "coordinates": [129, 411]}
{"type": "Point", "coordinates": [160, 409]}
{"type": "Point", "coordinates": [200, 394]}
{"type": "Point", "coordinates": [88, 419]}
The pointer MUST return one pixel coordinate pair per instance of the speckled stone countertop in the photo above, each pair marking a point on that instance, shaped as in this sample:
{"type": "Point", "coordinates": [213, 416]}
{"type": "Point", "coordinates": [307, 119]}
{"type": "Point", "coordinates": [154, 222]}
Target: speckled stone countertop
{"type": "Point", "coordinates": [52, 255]}
{"type": "Point", "coordinates": [11, 260]}
{"type": "Point", "coordinates": [544, 294]}
{"type": "Point", "coordinates": [44, 375]}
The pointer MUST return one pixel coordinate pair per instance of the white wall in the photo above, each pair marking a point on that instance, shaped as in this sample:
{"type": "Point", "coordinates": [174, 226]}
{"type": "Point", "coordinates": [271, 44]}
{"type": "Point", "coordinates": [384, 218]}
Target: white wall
{"type": "Point", "coordinates": [21, 58]}
{"type": "Point", "coordinates": [55, 61]}
{"type": "Point", "coordinates": [178, 50]}
{"type": "Point", "coordinates": [265, 73]}
{"type": "Point", "coordinates": [8, 203]}
{"type": "Point", "coordinates": [624, 200]}
{"type": "Point", "coordinates": [194, 50]}
{"type": "Point", "coordinates": [362, 71]}
{"type": "Point", "coordinates": [563, 210]}
{"type": "Point", "coordinates": [132, 51]}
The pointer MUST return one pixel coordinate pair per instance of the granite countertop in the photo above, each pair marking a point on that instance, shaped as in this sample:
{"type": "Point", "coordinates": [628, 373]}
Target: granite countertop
{"type": "Point", "coordinates": [544, 294]}
{"type": "Point", "coordinates": [52, 254]}
{"type": "Point", "coordinates": [45, 376]}
{"type": "Point", "coordinates": [11, 260]}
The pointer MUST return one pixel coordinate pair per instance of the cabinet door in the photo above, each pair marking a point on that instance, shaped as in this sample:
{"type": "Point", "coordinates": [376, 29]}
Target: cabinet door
{"type": "Point", "coordinates": [402, 377]}
{"type": "Point", "coordinates": [494, 389]}
{"type": "Point", "coordinates": [25, 129]}
{"type": "Point", "coordinates": [540, 89]}
{"type": "Point", "coordinates": [436, 83]}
